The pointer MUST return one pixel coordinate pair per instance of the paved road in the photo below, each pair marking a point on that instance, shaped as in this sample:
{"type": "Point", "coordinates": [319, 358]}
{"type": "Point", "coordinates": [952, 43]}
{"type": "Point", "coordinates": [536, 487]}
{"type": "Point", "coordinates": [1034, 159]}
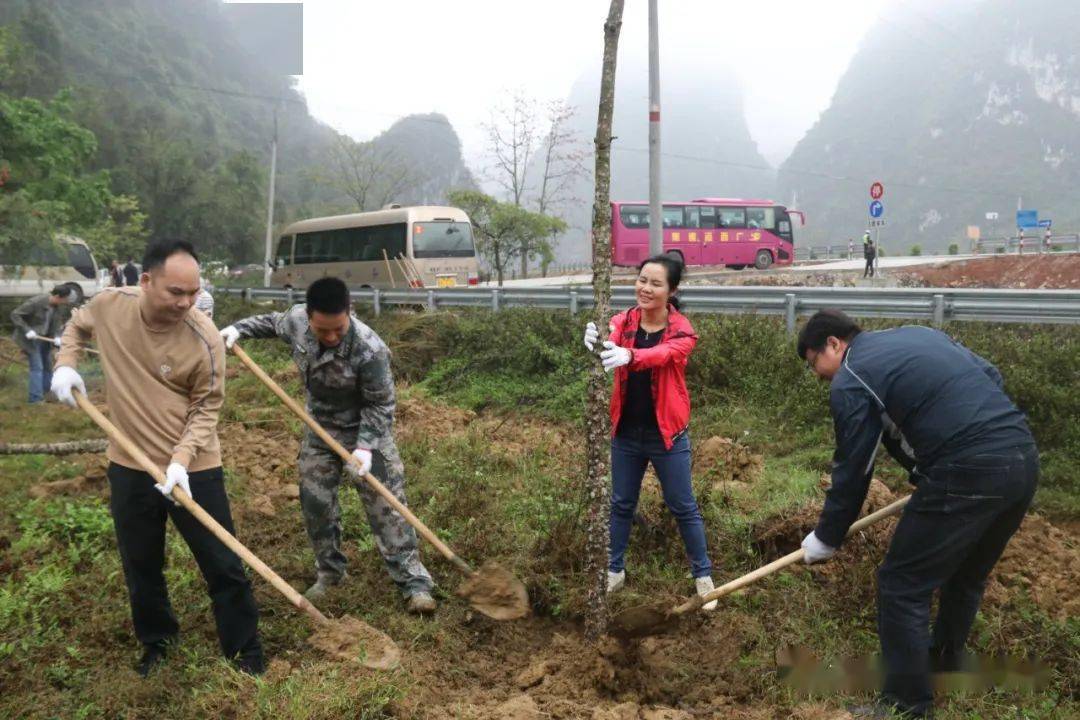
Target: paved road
{"type": "Point", "coordinates": [885, 263]}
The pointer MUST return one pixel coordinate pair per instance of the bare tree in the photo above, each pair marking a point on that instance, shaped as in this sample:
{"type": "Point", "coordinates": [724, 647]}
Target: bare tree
{"type": "Point", "coordinates": [369, 174]}
{"type": "Point", "coordinates": [512, 140]}
{"type": "Point", "coordinates": [597, 420]}
{"type": "Point", "coordinates": [563, 159]}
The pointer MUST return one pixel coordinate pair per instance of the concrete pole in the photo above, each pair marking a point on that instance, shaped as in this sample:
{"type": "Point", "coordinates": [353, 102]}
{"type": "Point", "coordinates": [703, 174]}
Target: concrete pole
{"type": "Point", "coordinates": [656, 224]}
{"type": "Point", "coordinates": [268, 263]}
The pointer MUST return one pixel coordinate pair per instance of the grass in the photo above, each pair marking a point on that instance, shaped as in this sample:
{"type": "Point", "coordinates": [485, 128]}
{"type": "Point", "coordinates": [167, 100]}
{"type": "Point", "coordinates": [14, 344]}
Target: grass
{"type": "Point", "coordinates": [505, 486]}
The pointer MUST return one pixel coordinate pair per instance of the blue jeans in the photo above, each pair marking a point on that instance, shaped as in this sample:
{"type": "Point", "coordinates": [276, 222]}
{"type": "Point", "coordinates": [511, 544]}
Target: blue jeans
{"type": "Point", "coordinates": [631, 452]}
{"type": "Point", "coordinates": [40, 370]}
{"type": "Point", "coordinates": [951, 534]}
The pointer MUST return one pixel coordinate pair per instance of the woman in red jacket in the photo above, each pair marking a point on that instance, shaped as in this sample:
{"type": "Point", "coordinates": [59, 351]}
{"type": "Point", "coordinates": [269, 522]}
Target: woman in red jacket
{"type": "Point", "coordinates": [648, 347]}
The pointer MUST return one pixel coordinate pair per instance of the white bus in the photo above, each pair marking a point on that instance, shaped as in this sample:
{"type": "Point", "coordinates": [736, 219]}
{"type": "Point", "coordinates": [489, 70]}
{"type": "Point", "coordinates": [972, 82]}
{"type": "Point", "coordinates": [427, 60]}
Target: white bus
{"type": "Point", "coordinates": [69, 260]}
{"type": "Point", "coordinates": [380, 249]}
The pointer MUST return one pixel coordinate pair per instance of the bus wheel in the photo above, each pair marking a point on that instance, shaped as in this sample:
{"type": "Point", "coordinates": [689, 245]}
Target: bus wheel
{"type": "Point", "coordinates": [763, 260]}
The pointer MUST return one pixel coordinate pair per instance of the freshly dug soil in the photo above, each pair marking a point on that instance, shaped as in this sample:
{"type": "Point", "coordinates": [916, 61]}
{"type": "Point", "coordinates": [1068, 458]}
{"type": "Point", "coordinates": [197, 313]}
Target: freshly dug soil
{"type": "Point", "coordinates": [495, 591]}
{"type": "Point", "coordinates": [352, 639]}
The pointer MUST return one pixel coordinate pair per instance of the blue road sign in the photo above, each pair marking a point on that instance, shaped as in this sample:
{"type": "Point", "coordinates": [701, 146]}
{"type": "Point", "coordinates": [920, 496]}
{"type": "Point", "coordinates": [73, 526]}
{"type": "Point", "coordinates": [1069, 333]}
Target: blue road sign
{"type": "Point", "coordinates": [876, 209]}
{"type": "Point", "coordinates": [1044, 223]}
{"type": "Point", "coordinates": [1027, 218]}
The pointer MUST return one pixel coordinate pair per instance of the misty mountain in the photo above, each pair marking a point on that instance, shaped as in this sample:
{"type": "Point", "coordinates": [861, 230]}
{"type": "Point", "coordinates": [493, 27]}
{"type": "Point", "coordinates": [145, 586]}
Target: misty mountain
{"type": "Point", "coordinates": [431, 148]}
{"type": "Point", "coordinates": [706, 144]}
{"type": "Point", "coordinates": [959, 109]}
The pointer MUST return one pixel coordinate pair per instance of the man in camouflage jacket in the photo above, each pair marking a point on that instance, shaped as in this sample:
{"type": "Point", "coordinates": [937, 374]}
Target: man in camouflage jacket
{"type": "Point", "coordinates": [345, 367]}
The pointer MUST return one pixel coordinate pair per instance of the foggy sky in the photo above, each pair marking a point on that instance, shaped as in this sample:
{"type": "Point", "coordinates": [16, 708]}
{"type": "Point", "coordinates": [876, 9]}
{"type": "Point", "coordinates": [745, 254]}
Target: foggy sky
{"type": "Point", "coordinates": [369, 62]}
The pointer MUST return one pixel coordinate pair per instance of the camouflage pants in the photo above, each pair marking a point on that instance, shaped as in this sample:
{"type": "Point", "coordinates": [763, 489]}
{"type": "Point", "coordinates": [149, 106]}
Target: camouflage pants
{"type": "Point", "coordinates": [321, 473]}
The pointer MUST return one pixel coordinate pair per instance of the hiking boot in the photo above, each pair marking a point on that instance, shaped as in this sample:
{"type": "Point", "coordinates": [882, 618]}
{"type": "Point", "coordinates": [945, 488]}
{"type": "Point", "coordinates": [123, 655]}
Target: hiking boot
{"type": "Point", "coordinates": [421, 603]}
{"type": "Point", "coordinates": [322, 584]}
{"type": "Point", "coordinates": [616, 581]}
{"type": "Point", "coordinates": [704, 585]}
{"type": "Point", "coordinates": [153, 655]}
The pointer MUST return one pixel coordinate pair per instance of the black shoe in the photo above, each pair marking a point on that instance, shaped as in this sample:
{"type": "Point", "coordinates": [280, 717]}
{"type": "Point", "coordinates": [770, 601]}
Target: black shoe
{"type": "Point", "coordinates": [153, 655]}
{"type": "Point", "coordinates": [880, 711]}
{"type": "Point", "coordinates": [252, 662]}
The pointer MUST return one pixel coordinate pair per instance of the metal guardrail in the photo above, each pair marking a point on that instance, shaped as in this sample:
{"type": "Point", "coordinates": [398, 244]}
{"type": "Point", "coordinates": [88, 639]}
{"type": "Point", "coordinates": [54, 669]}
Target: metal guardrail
{"type": "Point", "coordinates": [935, 305]}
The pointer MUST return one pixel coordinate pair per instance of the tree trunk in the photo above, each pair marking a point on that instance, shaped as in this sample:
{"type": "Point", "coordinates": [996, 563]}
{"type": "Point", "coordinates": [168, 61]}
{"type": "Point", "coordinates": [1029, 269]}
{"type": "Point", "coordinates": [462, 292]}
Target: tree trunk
{"type": "Point", "coordinates": [524, 260]}
{"type": "Point", "coordinates": [498, 264]}
{"type": "Point", "coordinates": [598, 422]}
{"type": "Point", "coordinates": [59, 448]}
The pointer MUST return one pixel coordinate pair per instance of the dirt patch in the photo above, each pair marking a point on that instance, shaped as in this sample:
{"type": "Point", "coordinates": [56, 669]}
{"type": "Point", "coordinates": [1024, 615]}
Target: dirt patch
{"type": "Point", "coordinates": [350, 638]}
{"type": "Point", "coordinates": [1012, 271]}
{"type": "Point", "coordinates": [723, 460]}
{"type": "Point", "coordinates": [1044, 562]}
{"type": "Point", "coordinates": [92, 479]}
{"type": "Point", "coordinates": [266, 459]}
{"type": "Point", "coordinates": [420, 417]}
{"type": "Point", "coordinates": [494, 591]}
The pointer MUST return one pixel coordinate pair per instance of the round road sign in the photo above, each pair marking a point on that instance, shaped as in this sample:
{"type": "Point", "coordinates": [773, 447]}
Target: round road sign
{"type": "Point", "coordinates": [876, 191]}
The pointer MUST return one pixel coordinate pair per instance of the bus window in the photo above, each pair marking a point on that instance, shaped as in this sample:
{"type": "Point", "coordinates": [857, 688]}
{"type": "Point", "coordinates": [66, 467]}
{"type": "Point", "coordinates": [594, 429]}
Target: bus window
{"type": "Point", "coordinates": [708, 217]}
{"type": "Point", "coordinates": [732, 217]}
{"type": "Point", "coordinates": [673, 216]}
{"type": "Point", "coordinates": [284, 250]}
{"type": "Point", "coordinates": [634, 216]}
{"type": "Point", "coordinates": [784, 227]}
{"type": "Point", "coordinates": [761, 217]}
{"type": "Point", "coordinates": [693, 216]}
{"type": "Point", "coordinates": [378, 238]}
{"type": "Point", "coordinates": [442, 239]}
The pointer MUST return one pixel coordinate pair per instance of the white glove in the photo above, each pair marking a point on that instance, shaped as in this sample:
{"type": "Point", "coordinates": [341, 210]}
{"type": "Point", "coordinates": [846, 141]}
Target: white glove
{"type": "Point", "coordinates": [31, 335]}
{"type": "Point", "coordinates": [591, 336]}
{"type": "Point", "coordinates": [57, 341]}
{"type": "Point", "coordinates": [64, 380]}
{"type": "Point", "coordinates": [614, 356]}
{"type": "Point", "coordinates": [175, 474]}
{"type": "Point", "coordinates": [230, 335]}
{"type": "Point", "coordinates": [362, 464]}
{"type": "Point", "coordinates": [815, 550]}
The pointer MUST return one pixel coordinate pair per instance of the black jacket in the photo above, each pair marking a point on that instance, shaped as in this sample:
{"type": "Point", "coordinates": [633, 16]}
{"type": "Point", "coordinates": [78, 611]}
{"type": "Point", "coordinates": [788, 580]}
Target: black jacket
{"type": "Point", "coordinates": [926, 397]}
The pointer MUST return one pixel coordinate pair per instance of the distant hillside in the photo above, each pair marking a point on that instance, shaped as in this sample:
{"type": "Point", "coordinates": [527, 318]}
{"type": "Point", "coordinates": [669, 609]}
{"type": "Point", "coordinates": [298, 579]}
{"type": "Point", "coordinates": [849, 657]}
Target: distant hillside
{"type": "Point", "coordinates": [183, 117]}
{"type": "Point", "coordinates": [706, 144]}
{"type": "Point", "coordinates": [959, 108]}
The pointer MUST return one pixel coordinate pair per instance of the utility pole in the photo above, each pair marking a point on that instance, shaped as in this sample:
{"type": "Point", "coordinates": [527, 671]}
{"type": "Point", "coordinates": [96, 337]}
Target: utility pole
{"type": "Point", "coordinates": [656, 223]}
{"type": "Point", "coordinates": [268, 263]}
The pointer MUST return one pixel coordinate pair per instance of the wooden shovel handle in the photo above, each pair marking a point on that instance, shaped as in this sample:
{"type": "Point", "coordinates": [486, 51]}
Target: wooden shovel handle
{"type": "Point", "coordinates": [195, 509]}
{"type": "Point", "coordinates": [348, 458]}
{"type": "Point", "coordinates": [42, 338]}
{"type": "Point", "coordinates": [789, 559]}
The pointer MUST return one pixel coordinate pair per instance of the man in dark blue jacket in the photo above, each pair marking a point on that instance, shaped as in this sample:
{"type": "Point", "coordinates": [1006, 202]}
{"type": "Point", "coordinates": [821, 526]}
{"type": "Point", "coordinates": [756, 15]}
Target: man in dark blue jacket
{"type": "Point", "coordinates": [940, 409]}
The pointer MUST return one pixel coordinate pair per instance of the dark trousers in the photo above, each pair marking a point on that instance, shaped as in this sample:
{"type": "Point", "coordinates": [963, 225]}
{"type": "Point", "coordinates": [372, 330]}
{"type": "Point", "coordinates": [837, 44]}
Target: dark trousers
{"type": "Point", "coordinates": [632, 450]}
{"type": "Point", "coordinates": [869, 270]}
{"type": "Point", "coordinates": [949, 537]}
{"type": "Point", "coordinates": [139, 512]}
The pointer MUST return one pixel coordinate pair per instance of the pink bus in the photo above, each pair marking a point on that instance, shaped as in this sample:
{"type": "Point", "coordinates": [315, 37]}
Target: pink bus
{"type": "Point", "coordinates": [708, 231]}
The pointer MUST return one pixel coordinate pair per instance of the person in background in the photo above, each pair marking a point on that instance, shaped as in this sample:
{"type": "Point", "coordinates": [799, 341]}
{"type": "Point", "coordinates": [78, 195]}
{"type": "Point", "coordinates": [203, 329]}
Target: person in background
{"type": "Point", "coordinates": [942, 412]}
{"type": "Point", "coordinates": [131, 273]}
{"type": "Point", "coordinates": [869, 252]}
{"type": "Point", "coordinates": [205, 301]}
{"type": "Point", "coordinates": [350, 392]}
{"type": "Point", "coordinates": [42, 316]}
{"type": "Point", "coordinates": [116, 274]}
{"type": "Point", "coordinates": [648, 347]}
{"type": "Point", "coordinates": [164, 372]}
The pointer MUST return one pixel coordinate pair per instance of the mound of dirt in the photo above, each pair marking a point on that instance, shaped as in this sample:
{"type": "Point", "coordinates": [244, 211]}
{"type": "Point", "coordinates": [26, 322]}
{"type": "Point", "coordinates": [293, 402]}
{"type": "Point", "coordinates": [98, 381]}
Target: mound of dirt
{"type": "Point", "coordinates": [349, 638]}
{"type": "Point", "coordinates": [722, 460]}
{"type": "Point", "coordinates": [266, 459]}
{"type": "Point", "coordinates": [1005, 271]}
{"type": "Point", "coordinates": [1043, 562]}
{"type": "Point", "coordinates": [92, 479]}
{"type": "Point", "coordinates": [417, 416]}
{"type": "Point", "coordinates": [494, 591]}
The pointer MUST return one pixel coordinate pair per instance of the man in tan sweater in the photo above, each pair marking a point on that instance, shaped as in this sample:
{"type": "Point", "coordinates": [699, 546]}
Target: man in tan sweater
{"type": "Point", "coordinates": [164, 368]}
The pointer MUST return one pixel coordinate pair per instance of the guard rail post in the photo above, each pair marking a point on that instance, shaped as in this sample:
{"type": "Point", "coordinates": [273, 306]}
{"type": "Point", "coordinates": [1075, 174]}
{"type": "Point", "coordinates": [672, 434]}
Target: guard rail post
{"type": "Point", "coordinates": [573, 302]}
{"type": "Point", "coordinates": [376, 301]}
{"type": "Point", "coordinates": [790, 306]}
{"type": "Point", "coordinates": [245, 295]}
{"type": "Point", "coordinates": [495, 299]}
{"type": "Point", "coordinates": [431, 300]}
{"type": "Point", "coordinates": [939, 309]}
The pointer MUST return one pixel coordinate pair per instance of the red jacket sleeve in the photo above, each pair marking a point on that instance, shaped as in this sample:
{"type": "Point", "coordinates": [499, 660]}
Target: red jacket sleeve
{"type": "Point", "coordinates": [676, 350]}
